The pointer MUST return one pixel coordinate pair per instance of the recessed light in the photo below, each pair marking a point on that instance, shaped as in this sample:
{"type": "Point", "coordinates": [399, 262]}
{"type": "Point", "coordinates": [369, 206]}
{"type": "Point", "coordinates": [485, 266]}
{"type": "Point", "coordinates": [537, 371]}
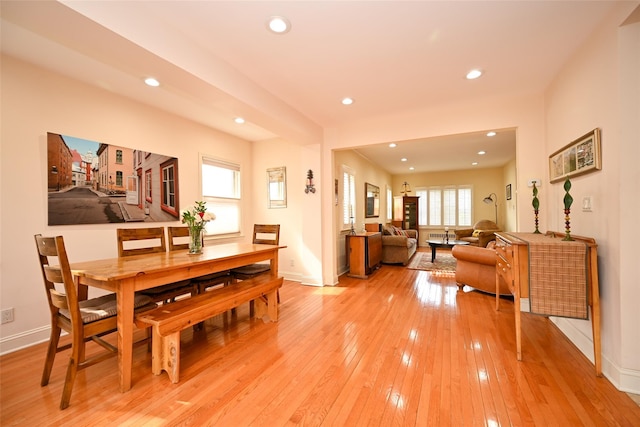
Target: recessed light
{"type": "Point", "coordinates": [411, 168]}
{"type": "Point", "coordinates": [347, 101]}
{"type": "Point", "coordinates": [404, 159]}
{"type": "Point", "coordinates": [474, 74]}
{"type": "Point", "coordinates": [492, 133]}
{"type": "Point", "coordinates": [150, 81]}
{"type": "Point", "coordinates": [239, 120]}
{"type": "Point", "coordinates": [474, 164]}
{"type": "Point", "coordinates": [393, 145]}
{"type": "Point", "coordinates": [482, 153]}
{"type": "Point", "coordinates": [279, 25]}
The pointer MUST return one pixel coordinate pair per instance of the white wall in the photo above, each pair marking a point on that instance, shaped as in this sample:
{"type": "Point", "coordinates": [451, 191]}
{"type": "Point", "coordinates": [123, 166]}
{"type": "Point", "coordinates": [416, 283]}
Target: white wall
{"type": "Point", "coordinates": [35, 101]}
{"type": "Point", "coordinates": [599, 87]}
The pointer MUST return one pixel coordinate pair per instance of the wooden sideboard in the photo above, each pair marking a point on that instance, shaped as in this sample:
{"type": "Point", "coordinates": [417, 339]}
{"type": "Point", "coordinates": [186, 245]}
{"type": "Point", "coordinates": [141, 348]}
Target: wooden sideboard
{"type": "Point", "coordinates": [364, 253]}
{"type": "Point", "coordinates": [518, 264]}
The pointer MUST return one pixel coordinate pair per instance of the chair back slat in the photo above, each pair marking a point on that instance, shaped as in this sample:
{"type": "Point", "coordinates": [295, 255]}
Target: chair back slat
{"type": "Point", "coordinates": [60, 274]}
{"type": "Point", "coordinates": [152, 240]}
{"type": "Point", "coordinates": [175, 235]}
{"type": "Point", "coordinates": [266, 234]}
{"type": "Point", "coordinates": [59, 300]}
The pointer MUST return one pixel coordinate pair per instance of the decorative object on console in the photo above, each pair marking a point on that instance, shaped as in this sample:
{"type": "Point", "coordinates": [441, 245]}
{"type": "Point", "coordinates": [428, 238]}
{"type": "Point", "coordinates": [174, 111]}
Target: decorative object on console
{"type": "Point", "coordinates": [536, 205]}
{"type": "Point", "coordinates": [310, 187]}
{"type": "Point", "coordinates": [568, 200]}
{"type": "Point", "coordinates": [196, 219]}
{"type": "Point", "coordinates": [488, 200]}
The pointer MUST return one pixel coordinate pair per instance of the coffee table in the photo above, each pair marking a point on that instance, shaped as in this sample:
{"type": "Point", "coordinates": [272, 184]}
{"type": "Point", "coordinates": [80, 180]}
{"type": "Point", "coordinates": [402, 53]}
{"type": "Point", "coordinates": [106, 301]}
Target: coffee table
{"type": "Point", "coordinates": [434, 244]}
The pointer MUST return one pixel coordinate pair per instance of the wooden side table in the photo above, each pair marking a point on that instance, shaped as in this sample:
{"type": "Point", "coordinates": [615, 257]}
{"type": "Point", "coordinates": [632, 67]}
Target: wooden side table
{"type": "Point", "coordinates": [364, 253]}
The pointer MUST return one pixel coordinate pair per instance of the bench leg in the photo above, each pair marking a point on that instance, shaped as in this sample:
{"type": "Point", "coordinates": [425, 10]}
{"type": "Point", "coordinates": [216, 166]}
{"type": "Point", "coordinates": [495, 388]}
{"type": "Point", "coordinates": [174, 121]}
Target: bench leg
{"type": "Point", "coordinates": [166, 355]}
{"type": "Point", "coordinates": [267, 305]}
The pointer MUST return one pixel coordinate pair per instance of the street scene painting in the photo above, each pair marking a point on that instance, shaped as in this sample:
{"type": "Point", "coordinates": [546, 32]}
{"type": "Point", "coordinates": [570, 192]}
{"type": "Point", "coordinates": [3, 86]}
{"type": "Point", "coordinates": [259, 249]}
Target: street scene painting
{"type": "Point", "coordinates": [91, 182]}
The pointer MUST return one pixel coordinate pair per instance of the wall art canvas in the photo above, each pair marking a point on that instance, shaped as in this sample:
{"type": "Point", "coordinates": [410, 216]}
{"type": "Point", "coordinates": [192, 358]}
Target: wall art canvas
{"type": "Point", "coordinates": [91, 182]}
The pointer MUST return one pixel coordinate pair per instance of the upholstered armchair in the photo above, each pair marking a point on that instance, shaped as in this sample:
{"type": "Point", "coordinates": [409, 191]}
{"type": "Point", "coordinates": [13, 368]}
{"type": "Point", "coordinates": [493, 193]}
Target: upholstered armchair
{"type": "Point", "coordinates": [480, 235]}
{"type": "Point", "coordinates": [476, 267]}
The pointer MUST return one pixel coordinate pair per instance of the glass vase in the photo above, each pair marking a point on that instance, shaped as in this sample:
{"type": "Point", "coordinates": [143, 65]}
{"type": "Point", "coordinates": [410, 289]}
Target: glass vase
{"type": "Point", "coordinates": [196, 240]}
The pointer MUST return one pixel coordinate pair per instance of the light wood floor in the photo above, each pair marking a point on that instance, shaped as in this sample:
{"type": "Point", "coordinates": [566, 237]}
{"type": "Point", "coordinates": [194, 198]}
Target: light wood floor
{"type": "Point", "coordinates": [403, 348]}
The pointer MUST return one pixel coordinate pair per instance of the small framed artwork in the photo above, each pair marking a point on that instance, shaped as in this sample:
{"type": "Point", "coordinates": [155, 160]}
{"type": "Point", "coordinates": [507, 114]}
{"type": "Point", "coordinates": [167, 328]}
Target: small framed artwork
{"type": "Point", "coordinates": [578, 157]}
{"type": "Point", "coordinates": [508, 191]}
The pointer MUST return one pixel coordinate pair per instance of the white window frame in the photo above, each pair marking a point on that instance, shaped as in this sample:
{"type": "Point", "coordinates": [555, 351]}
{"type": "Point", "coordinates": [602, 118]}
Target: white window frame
{"type": "Point", "coordinates": [224, 202]}
{"type": "Point", "coordinates": [434, 211]}
{"type": "Point", "coordinates": [348, 196]}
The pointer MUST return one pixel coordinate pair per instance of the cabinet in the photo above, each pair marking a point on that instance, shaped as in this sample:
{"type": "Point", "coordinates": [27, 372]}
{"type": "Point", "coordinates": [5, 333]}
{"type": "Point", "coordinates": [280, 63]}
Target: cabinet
{"type": "Point", "coordinates": [406, 212]}
{"type": "Point", "coordinates": [559, 278]}
{"type": "Point", "coordinates": [364, 253]}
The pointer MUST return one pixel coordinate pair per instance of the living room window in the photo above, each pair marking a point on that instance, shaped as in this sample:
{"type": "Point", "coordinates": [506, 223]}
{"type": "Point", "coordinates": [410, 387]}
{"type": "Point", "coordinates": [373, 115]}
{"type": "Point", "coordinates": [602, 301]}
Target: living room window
{"type": "Point", "coordinates": [444, 206]}
{"type": "Point", "coordinates": [348, 195]}
{"type": "Point", "coordinates": [221, 191]}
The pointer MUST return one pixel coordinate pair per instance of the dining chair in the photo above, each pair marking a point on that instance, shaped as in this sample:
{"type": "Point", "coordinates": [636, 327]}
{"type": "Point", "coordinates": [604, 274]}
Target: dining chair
{"type": "Point", "coordinates": [268, 234]}
{"type": "Point", "coordinates": [176, 242]}
{"type": "Point", "coordinates": [138, 241]}
{"type": "Point", "coordinates": [83, 320]}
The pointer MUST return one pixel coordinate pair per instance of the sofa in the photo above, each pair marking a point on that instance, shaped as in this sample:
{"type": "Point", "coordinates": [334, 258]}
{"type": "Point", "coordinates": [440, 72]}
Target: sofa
{"type": "Point", "coordinates": [476, 267]}
{"type": "Point", "coordinates": [398, 246]}
{"type": "Point", "coordinates": [480, 235]}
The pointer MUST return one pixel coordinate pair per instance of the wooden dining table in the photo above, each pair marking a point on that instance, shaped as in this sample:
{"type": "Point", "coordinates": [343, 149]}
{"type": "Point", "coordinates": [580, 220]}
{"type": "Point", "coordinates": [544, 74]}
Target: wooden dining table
{"type": "Point", "coordinates": [125, 276]}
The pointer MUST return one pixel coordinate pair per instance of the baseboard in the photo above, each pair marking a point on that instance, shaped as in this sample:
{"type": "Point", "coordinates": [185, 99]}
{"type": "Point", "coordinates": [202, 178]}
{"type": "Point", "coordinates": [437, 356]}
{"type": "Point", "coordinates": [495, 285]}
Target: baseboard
{"type": "Point", "coordinates": [626, 380]}
{"type": "Point", "coordinates": [25, 339]}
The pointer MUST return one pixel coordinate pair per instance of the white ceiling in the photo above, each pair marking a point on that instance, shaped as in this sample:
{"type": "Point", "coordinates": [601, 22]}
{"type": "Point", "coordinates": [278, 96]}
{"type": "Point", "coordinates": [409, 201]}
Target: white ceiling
{"type": "Point", "coordinates": [216, 60]}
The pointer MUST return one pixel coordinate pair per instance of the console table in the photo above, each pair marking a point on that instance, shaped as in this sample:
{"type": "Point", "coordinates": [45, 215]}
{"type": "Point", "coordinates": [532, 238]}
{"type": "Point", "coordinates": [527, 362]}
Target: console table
{"type": "Point", "coordinates": [559, 277]}
{"type": "Point", "coordinates": [364, 253]}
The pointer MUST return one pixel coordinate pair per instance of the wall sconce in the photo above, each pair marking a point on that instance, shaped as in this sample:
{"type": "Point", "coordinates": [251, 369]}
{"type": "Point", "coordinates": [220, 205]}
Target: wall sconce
{"type": "Point", "coordinates": [488, 200]}
{"type": "Point", "coordinates": [310, 188]}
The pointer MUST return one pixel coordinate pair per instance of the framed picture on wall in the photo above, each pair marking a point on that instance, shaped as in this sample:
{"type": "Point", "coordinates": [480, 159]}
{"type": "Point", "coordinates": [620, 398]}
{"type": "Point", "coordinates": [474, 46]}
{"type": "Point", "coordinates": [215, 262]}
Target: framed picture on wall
{"type": "Point", "coordinates": [578, 157]}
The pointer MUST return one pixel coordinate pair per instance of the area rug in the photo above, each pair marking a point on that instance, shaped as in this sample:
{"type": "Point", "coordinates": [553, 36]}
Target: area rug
{"type": "Point", "coordinates": [444, 263]}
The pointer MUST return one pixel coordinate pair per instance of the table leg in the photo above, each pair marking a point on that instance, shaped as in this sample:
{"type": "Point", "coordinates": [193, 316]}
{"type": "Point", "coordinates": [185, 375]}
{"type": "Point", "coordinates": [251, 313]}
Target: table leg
{"type": "Point", "coordinates": [125, 296]}
{"type": "Point", "coordinates": [433, 253]}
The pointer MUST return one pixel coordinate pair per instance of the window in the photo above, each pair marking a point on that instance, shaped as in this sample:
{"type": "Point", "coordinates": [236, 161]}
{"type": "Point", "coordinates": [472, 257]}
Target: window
{"type": "Point", "coordinates": [221, 191]}
{"type": "Point", "coordinates": [147, 185]}
{"type": "Point", "coordinates": [169, 186]}
{"type": "Point", "coordinates": [389, 204]}
{"type": "Point", "coordinates": [119, 179]}
{"type": "Point", "coordinates": [119, 157]}
{"type": "Point", "coordinates": [445, 206]}
{"type": "Point", "coordinates": [348, 195]}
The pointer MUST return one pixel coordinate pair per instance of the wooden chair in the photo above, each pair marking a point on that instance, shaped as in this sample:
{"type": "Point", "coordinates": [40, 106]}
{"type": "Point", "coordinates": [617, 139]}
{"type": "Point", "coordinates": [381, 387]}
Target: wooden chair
{"type": "Point", "coordinates": [202, 282]}
{"type": "Point", "coordinates": [266, 234]}
{"type": "Point", "coordinates": [84, 320]}
{"type": "Point", "coordinates": [152, 241]}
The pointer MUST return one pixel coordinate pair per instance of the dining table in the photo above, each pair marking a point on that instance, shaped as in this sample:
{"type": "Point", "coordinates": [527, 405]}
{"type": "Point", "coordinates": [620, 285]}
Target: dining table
{"type": "Point", "coordinates": [125, 276]}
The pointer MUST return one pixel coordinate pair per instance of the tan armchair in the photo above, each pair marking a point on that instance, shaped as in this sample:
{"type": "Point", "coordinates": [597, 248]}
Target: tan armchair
{"type": "Point", "coordinates": [476, 267]}
{"type": "Point", "coordinates": [480, 235]}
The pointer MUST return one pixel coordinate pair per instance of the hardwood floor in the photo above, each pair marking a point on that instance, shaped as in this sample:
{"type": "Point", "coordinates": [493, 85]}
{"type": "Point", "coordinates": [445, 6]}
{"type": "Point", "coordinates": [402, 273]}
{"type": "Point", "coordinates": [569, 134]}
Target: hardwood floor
{"type": "Point", "coordinates": [402, 348]}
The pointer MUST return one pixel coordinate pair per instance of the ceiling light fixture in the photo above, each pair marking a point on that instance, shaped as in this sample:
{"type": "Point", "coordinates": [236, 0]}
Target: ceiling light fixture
{"type": "Point", "coordinates": [393, 145]}
{"type": "Point", "coordinates": [279, 25]}
{"type": "Point", "coordinates": [239, 120]}
{"type": "Point", "coordinates": [404, 159]}
{"type": "Point", "coordinates": [150, 81]}
{"type": "Point", "coordinates": [474, 164]}
{"type": "Point", "coordinates": [347, 101]}
{"type": "Point", "coordinates": [492, 133]}
{"type": "Point", "coordinates": [411, 168]}
{"type": "Point", "coordinates": [474, 74]}
{"type": "Point", "coordinates": [482, 152]}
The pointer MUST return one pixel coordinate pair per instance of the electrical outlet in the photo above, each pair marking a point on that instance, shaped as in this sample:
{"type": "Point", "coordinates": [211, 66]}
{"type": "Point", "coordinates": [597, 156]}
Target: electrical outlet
{"type": "Point", "coordinates": [531, 181]}
{"type": "Point", "coordinates": [7, 315]}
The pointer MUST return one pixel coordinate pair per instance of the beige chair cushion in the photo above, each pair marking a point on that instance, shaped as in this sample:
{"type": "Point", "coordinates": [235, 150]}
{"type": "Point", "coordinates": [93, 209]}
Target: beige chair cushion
{"type": "Point", "coordinates": [105, 306]}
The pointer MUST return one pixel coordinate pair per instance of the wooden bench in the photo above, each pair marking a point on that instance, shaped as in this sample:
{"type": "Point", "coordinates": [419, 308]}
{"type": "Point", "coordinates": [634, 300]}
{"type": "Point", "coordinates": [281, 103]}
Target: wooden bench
{"type": "Point", "coordinates": [169, 320]}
